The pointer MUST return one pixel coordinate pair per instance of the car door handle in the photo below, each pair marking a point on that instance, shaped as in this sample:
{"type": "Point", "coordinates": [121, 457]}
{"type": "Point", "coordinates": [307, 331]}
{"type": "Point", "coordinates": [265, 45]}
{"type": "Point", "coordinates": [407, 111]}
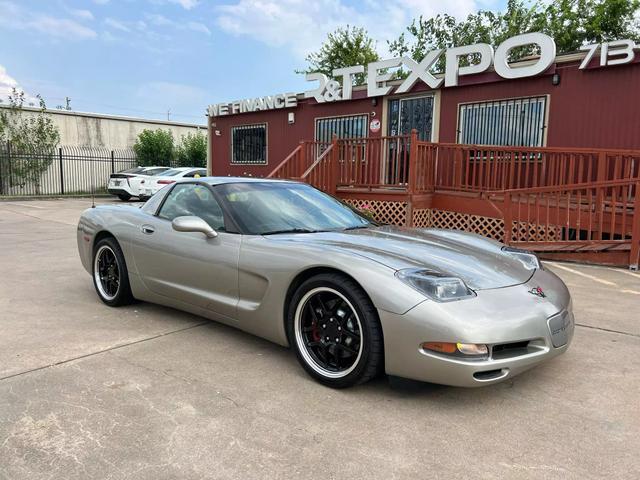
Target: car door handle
{"type": "Point", "coordinates": [147, 229]}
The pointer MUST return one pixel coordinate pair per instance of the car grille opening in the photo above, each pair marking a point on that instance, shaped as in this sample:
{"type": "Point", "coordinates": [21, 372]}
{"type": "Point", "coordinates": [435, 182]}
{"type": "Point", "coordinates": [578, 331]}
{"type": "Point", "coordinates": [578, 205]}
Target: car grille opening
{"type": "Point", "coordinates": [489, 374]}
{"type": "Point", "coordinates": [509, 350]}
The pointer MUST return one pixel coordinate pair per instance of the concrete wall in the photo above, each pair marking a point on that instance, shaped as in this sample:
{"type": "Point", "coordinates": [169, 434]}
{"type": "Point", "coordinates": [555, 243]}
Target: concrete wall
{"type": "Point", "coordinates": [113, 132]}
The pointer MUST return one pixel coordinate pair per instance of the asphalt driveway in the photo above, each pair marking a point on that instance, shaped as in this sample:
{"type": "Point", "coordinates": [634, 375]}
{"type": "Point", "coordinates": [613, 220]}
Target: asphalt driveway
{"type": "Point", "coordinates": [147, 392]}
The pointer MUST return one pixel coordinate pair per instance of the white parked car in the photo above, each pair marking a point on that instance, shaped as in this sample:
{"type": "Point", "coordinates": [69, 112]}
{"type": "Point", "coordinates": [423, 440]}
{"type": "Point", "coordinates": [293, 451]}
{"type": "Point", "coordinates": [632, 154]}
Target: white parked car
{"type": "Point", "coordinates": [167, 177]}
{"type": "Point", "coordinates": [127, 183]}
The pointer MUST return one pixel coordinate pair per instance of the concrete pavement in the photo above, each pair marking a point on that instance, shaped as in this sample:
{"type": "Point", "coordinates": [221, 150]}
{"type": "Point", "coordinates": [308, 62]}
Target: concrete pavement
{"type": "Point", "coordinates": [141, 392]}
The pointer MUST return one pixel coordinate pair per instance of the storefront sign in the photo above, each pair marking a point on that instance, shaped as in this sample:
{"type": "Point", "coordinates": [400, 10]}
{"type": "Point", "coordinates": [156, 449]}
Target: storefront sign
{"type": "Point", "coordinates": [374, 125]}
{"type": "Point", "coordinates": [611, 53]}
{"type": "Point", "coordinates": [270, 102]}
{"type": "Point", "coordinates": [378, 72]}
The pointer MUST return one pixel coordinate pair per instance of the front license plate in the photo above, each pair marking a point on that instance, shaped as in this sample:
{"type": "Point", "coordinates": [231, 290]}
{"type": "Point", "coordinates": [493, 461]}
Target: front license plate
{"type": "Point", "coordinates": [117, 183]}
{"type": "Point", "coordinates": [560, 326]}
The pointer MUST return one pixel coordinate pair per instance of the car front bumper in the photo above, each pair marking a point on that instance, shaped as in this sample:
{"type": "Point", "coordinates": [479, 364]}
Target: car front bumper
{"type": "Point", "coordinates": [513, 322]}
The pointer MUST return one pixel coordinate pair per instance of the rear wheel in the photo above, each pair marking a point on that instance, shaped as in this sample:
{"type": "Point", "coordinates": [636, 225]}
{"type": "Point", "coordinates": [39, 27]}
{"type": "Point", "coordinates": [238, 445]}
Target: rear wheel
{"type": "Point", "coordinates": [110, 276]}
{"type": "Point", "coordinates": [335, 331]}
{"type": "Point", "coordinates": [124, 197]}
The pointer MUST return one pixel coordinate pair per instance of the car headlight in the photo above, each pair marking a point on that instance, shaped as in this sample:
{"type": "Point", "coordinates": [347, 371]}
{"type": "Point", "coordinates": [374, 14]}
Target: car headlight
{"type": "Point", "coordinates": [436, 286]}
{"type": "Point", "coordinates": [529, 259]}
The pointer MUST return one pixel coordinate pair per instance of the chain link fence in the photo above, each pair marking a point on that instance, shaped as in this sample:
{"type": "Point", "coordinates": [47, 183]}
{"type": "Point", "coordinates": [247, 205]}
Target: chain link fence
{"type": "Point", "coordinates": [61, 171]}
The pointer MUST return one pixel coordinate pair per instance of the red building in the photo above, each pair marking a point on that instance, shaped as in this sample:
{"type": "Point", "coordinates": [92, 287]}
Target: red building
{"type": "Point", "coordinates": [576, 121]}
{"type": "Point", "coordinates": [597, 107]}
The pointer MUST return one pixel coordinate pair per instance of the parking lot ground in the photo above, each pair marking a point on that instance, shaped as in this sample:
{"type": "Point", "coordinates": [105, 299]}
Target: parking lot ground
{"type": "Point", "coordinates": [147, 392]}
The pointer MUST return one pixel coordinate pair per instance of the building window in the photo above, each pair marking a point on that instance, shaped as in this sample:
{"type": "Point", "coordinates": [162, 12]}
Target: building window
{"type": "Point", "coordinates": [353, 126]}
{"type": "Point", "coordinates": [406, 114]}
{"type": "Point", "coordinates": [516, 122]}
{"type": "Point", "coordinates": [249, 144]}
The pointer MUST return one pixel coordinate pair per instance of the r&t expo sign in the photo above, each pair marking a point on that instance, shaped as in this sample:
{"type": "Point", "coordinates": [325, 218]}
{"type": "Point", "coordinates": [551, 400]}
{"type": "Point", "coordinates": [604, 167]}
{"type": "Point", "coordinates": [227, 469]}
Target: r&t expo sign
{"type": "Point", "coordinates": [611, 53]}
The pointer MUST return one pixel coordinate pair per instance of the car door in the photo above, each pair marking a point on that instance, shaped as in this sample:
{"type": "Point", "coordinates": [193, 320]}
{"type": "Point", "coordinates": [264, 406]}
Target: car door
{"type": "Point", "coordinates": [189, 266]}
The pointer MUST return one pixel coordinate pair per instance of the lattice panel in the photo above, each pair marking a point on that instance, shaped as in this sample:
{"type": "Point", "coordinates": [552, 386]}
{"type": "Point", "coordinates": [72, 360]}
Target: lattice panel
{"type": "Point", "coordinates": [487, 226]}
{"type": "Point", "coordinates": [532, 232]}
{"type": "Point", "coordinates": [422, 218]}
{"type": "Point", "coordinates": [394, 213]}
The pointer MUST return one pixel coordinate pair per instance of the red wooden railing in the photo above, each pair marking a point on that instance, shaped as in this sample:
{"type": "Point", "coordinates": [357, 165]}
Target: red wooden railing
{"type": "Point", "coordinates": [373, 162]}
{"type": "Point", "coordinates": [322, 173]}
{"type": "Point", "coordinates": [298, 161]}
{"type": "Point", "coordinates": [481, 168]}
{"type": "Point", "coordinates": [587, 217]}
{"type": "Point", "coordinates": [404, 163]}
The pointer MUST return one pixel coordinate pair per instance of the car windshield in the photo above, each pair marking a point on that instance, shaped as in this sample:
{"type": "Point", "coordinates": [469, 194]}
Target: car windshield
{"type": "Point", "coordinates": [170, 173]}
{"type": "Point", "coordinates": [270, 208]}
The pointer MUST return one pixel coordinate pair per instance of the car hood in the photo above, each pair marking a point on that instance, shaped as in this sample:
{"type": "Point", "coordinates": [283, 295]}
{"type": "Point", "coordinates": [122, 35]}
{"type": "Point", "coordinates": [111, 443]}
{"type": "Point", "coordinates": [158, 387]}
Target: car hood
{"type": "Point", "coordinates": [477, 260]}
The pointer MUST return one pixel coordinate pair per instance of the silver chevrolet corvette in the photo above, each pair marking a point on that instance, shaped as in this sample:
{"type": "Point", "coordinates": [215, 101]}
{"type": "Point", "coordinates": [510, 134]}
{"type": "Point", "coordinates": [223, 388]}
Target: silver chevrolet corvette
{"type": "Point", "coordinates": [288, 263]}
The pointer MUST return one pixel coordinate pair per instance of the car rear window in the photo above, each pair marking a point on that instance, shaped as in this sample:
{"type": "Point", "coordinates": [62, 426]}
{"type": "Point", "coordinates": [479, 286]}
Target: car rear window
{"type": "Point", "coordinates": [132, 170]}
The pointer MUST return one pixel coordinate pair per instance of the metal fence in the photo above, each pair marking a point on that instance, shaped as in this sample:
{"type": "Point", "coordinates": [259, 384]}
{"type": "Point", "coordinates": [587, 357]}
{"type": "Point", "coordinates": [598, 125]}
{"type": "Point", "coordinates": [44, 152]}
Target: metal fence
{"type": "Point", "coordinates": [61, 171]}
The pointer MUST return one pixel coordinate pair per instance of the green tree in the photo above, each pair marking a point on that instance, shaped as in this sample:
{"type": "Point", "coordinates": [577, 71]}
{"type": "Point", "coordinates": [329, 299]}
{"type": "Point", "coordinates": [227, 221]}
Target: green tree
{"type": "Point", "coordinates": [192, 151]}
{"type": "Point", "coordinates": [154, 147]}
{"type": "Point", "coordinates": [571, 23]}
{"type": "Point", "coordinates": [31, 137]}
{"type": "Point", "coordinates": [345, 47]}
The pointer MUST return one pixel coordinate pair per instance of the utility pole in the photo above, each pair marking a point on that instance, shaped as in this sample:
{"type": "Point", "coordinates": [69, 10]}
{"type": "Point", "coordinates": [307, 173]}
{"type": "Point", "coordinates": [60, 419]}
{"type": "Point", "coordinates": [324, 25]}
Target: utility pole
{"type": "Point", "coordinates": [168, 115]}
{"type": "Point", "coordinates": [68, 103]}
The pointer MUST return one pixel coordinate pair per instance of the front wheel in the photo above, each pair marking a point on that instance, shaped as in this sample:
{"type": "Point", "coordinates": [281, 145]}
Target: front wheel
{"type": "Point", "coordinates": [335, 331]}
{"type": "Point", "coordinates": [110, 276]}
{"type": "Point", "coordinates": [124, 197]}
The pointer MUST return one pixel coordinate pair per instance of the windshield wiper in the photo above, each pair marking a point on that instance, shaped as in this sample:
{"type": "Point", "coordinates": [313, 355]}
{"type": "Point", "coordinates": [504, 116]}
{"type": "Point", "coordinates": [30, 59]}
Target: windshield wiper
{"type": "Point", "coordinates": [291, 230]}
{"type": "Point", "coordinates": [356, 227]}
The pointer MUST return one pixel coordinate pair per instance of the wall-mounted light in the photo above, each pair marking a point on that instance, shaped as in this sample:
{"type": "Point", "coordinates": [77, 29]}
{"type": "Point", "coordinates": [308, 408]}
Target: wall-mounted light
{"type": "Point", "coordinates": [555, 79]}
{"type": "Point", "coordinates": [218, 133]}
{"type": "Point", "coordinates": [291, 117]}
{"type": "Point", "coordinates": [374, 101]}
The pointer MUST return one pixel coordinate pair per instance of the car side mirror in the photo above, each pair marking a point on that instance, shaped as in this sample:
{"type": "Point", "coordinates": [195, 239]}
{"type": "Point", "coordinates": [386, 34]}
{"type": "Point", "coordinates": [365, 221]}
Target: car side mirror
{"type": "Point", "coordinates": [193, 224]}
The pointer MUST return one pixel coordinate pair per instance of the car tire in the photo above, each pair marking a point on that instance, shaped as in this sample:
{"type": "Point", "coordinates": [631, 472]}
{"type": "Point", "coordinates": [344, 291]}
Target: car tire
{"type": "Point", "coordinates": [110, 274]}
{"type": "Point", "coordinates": [335, 331]}
{"type": "Point", "coordinates": [125, 197]}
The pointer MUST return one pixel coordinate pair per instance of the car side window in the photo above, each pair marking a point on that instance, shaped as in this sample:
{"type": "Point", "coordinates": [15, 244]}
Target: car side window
{"type": "Point", "coordinates": [193, 200]}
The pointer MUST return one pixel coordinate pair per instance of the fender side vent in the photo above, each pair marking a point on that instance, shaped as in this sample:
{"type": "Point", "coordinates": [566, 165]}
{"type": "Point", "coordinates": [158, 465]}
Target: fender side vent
{"type": "Point", "coordinates": [510, 350]}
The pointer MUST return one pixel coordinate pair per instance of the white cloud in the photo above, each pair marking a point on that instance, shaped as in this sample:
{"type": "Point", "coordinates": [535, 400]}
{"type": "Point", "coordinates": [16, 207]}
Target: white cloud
{"type": "Point", "coordinates": [101, 2]}
{"type": "Point", "coordinates": [162, 21]}
{"type": "Point", "coordinates": [17, 18]}
{"type": "Point", "coordinates": [186, 4]}
{"type": "Point", "coordinates": [81, 14]}
{"type": "Point", "coordinates": [116, 24]}
{"type": "Point", "coordinates": [198, 27]}
{"type": "Point", "coordinates": [158, 19]}
{"type": "Point", "coordinates": [302, 25]}
{"type": "Point", "coordinates": [7, 84]}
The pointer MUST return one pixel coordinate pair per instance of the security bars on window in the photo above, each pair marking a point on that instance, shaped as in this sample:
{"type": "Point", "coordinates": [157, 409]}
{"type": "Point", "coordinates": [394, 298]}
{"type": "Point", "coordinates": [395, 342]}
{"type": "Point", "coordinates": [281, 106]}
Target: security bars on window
{"type": "Point", "coordinates": [515, 122]}
{"type": "Point", "coordinates": [249, 144]}
{"type": "Point", "coordinates": [353, 126]}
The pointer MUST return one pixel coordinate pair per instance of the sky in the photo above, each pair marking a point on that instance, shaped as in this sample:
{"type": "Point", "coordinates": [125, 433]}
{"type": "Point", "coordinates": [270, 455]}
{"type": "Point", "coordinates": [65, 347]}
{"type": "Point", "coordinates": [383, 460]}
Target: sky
{"type": "Point", "coordinates": [171, 58]}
